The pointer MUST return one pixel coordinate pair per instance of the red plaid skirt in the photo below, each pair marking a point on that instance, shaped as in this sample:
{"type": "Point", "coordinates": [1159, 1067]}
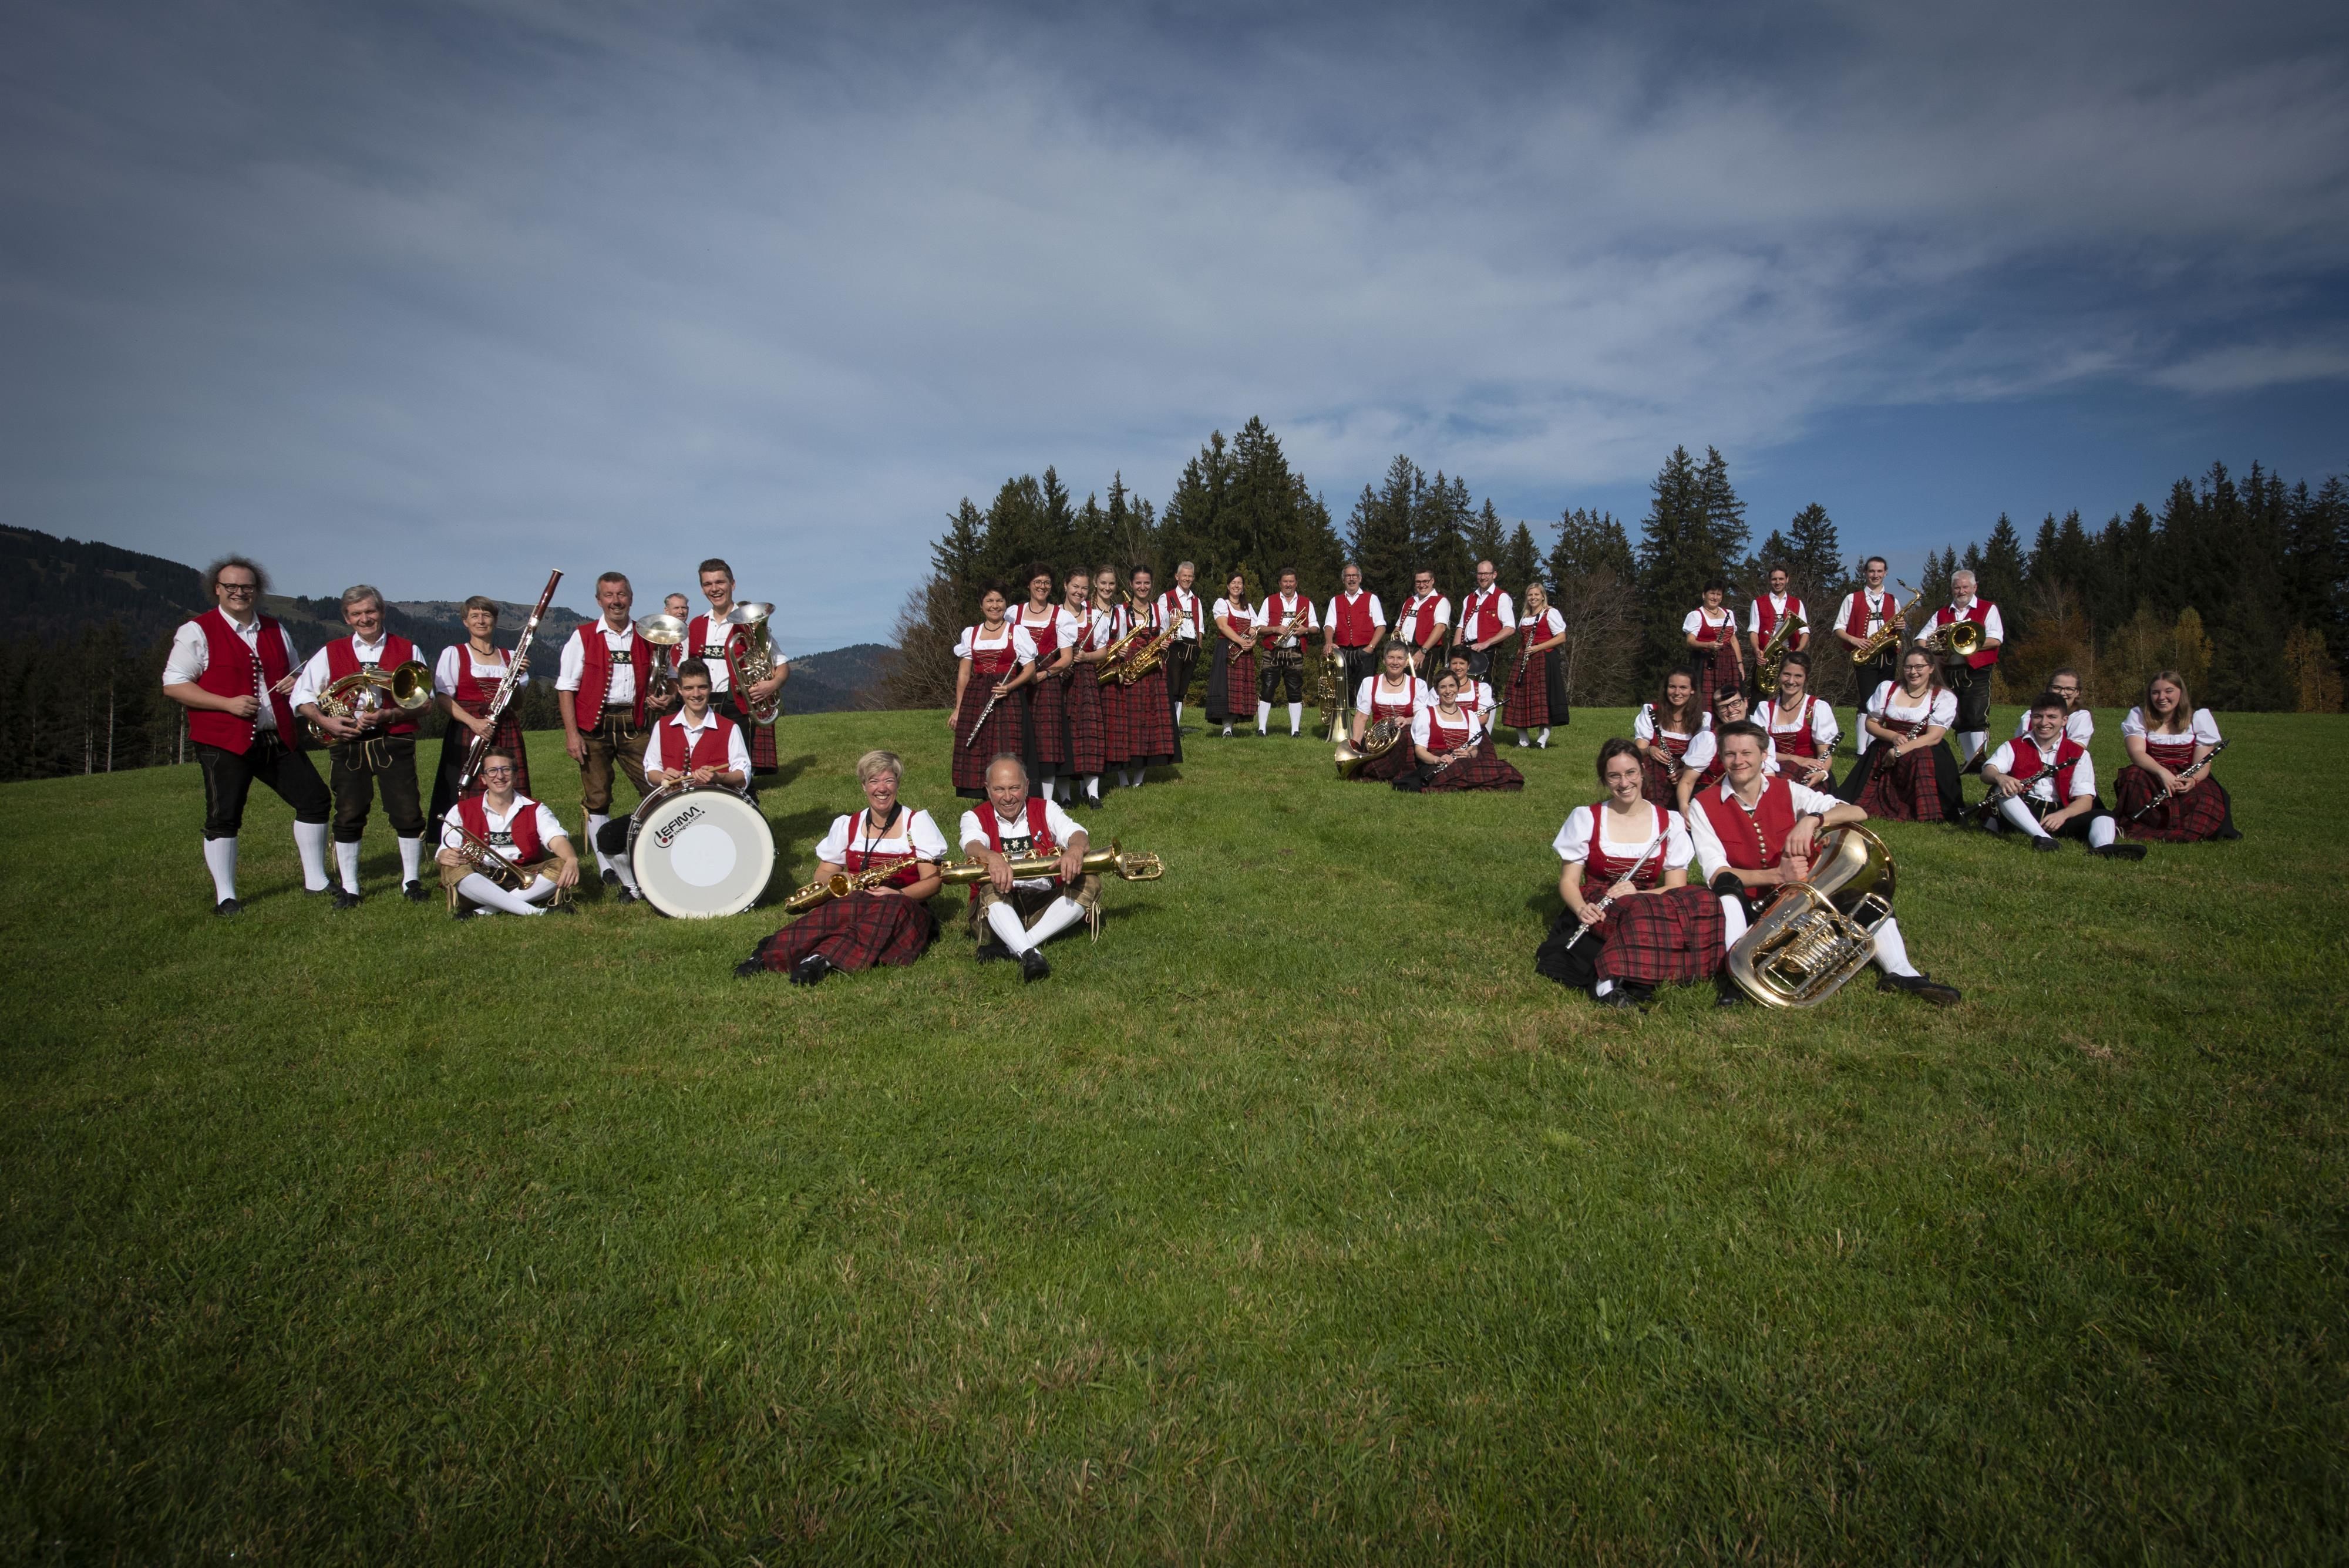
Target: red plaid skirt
{"type": "Point", "coordinates": [1231, 686]}
{"type": "Point", "coordinates": [1149, 721]}
{"type": "Point", "coordinates": [1117, 720]}
{"type": "Point", "coordinates": [758, 738]}
{"type": "Point", "coordinates": [1477, 770]}
{"type": "Point", "coordinates": [1662, 939]}
{"type": "Point", "coordinates": [1525, 704]}
{"type": "Point", "coordinates": [2186, 818]}
{"type": "Point", "coordinates": [1718, 673]}
{"type": "Point", "coordinates": [856, 932]}
{"type": "Point", "coordinates": [1048, 720]}
{"type": "Point", "coordinates": [1080, 693]}
{"type": "Point", "coordinates": [1921, 787]}
{"type": "Point", "coordinates": [1398, 759]}
{"type": "Point", "coordinates": [1656, 786]}
{"type": "Point", "coordinates": [1000, 734]}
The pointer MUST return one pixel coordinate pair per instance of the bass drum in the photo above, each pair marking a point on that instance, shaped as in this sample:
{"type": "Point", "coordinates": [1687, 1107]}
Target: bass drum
{"type": "Point", "coordinates": [700, 852]}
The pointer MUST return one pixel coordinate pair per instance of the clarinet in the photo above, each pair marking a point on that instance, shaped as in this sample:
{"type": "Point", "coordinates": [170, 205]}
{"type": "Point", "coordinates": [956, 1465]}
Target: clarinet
{"type": "Point", "coordinates": [479, 751]}
{"type": "Point", "coordinates": [1992, 802]}
{"type": "Point", "coordinates": [2190, 770]}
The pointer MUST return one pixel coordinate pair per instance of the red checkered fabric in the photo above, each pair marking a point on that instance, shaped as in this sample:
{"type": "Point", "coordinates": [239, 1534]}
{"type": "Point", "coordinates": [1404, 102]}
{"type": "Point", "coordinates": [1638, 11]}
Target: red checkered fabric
{"type": "Point", "coordinates": [1231, 686]}
{"type": "Point", "coordinates": [1909, 790]}
{"type": "Point", "coordinates": [1001, 733]}
{"type": "Point", "coordinates": [1149, 719]}
{"type": "Point", "coordinates": [1048, 720]}
{"type": "Point", "coordinates": [1087, 743]}
{"type": "Point", "coordinates": [505, 735]}
{"type": "Point", "coordinates": [1476, 771]}
{"type": "Point", "coordinates": [1663, 938]}
{"type": "Point", "coordinates": [1525, 704]}
{"type": "Point", "coordinates": [1117, 720]}
{"type": "Point", "coordinates": [1656, 785]}
{"type": "Point", "coordinates": [758, 738]}
{"type": "Point", "coordinates": [856, 932]}
{"type": "Point", "coordinates": [1718, 673]}
{"type": "Point", "coordinates": [2197, 814]}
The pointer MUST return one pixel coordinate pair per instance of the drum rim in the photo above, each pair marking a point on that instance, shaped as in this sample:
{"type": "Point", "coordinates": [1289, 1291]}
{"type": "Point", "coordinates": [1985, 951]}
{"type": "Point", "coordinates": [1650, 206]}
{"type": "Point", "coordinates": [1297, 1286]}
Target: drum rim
{"type": "Point", "coordinates": [667, 794]}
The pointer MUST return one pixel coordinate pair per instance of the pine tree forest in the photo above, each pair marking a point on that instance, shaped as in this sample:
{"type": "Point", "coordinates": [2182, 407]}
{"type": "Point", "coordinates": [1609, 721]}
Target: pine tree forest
{"type": "Point", "coordinates": [2242, 586]}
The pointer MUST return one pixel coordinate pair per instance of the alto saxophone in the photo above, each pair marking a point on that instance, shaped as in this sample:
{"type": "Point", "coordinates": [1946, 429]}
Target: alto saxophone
{"type": "Point", "coordinates": [1895, 627]}
{"type": "Point", "coordinates": [840, 883]}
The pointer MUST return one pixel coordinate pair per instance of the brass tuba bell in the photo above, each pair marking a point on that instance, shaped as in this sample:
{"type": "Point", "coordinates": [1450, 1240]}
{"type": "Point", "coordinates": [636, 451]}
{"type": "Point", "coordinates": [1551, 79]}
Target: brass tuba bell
{"type": "Point", "coordinates": [752, 663]}
{"type": "Point", "coordinates": [664, 632]}
{"type": "Point", "coordinates": [1819, 933]}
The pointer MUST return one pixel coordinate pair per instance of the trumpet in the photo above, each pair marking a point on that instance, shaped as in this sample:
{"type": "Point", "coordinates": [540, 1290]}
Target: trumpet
{"type": "Point", "coordinates": [362, 695]}
{"type": "Point", "coordinates": [1895, 627]}
{"type": "Point", "coordinates": [752, 663]}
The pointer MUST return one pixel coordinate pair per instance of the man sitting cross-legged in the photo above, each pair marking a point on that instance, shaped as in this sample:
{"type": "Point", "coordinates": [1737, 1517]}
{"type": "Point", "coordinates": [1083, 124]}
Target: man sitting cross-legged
{"type": "Point", "coordinates": [1014, 916]}
{"type": "Point", "coordinates": [2045, 786]}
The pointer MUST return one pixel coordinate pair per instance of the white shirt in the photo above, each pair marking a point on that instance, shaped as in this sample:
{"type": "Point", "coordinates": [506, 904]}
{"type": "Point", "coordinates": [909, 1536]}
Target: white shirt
{"type": "Point", "coordinates": [2084, 774]}
{"type": "Point", "coordinates": [2080, 725]}
{"type": "Point", "coordinates": [192, 655]}
{"type": "Point", "coordinates": [974, 637]}
{"type": "Point", "coordinates": [2204, 729]}
{"type": "Point", "coordinates": [1701, 617]}
{"type": "Point", "coordinates": [1825, 730]}
{"type": "Point", "coordinates": [721, 674]}
{"type": "Point", "coordinates": [1475, 695]}
{"type": "Point", "coordinates": [1441, 615]}
{"type": "Point", "coordinates": [1890, 706]}
{"type": "Point", "coordinates": [314, 677]}
{"type": "Point", "coordinates": [1994, 624]}
{"type": "Point", "coordinates": [914, 833]}
{"type": "Point", "coordinates": [1064, 625]}
{"type": "Point", "coordinates": [1643, 725]}
{"type": "Point", "coordinates": [1378, 614]}
{"type": "Point", "coordinates": [1550, 624]}
{"type": "Point", "coordinates": [1241, 615]}
{"type": "Point", "coordinates": [737, 753]}
{"type": "Point", "coordinates": [1422, 694]}
{"type": "Point", "coordinates": [1711, 858]}
{"type": "Point", "coordinates": [1063, 828]}
{"type": "Point", "coordinates": [1502, 610]}
{"type": "Point", "coordinates": [501, 824]}
{"type": "Point", "coordinates": [1780, 605]}
{"type": "Point", "coordinates": [1423, 725]}
{"type": "Point", "coordinates": [1099, 633]}
{"type": "Point", "coordinates": [1180, 604]}
{"type": "Point", "coordinates": [623, 688]}
{"type": "Point", "coordinates": [1277, 609]}
{"type": "Point", "coordinates": [1705, 745]}
{"type": "Point", "coordinates": [1877, 611]}
{"type": "Point", "coordinates": [445, 668]}
{"type": "Point", "coordinates": [1573, 841]}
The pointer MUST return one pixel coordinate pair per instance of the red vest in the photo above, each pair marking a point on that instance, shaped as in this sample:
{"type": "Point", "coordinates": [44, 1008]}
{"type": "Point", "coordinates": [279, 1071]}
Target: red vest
{"type": "Point", "coordinates": [1281, 608]}
{"type": "Point", "coordinates": [1708, 631]}
{"type": "Point", "coordinates": [856, 860]}
{"type": "Point", "coordinates": [1419, 615]}
{"type": "Point", "coordinates": [1039, 835]}
{"type": "Point", "coordinates": [1480, 614]}
{"type": "Point", "coordinates": [596, 673]}
{"type": "Point", "coordinates": [1752, 843]}
{"type": "Point", "coordinates": [469, 690]}
{"type": "Point", "coordinates": [522, 827]}
{"type": "Point", "coordinates": [1977, 612]}
{"type": "Point", "coordinates": [710, 750]}
{"type": "Point", "coordinates": [1675, 744]}
{"type": "Point", "coordinates": [1354, 628]}
{"type": "Point", "coordinates": [1047, 637]}
{"type": "Point", "coordinates": [343, 662]}
{"type": "Point", "coordinates": [1383, 709]}
{"type": "Point", "coordinates": [1857, 623]}
{"type": "Point", "coordinates": [703, 641]}
{"type": "Point", "coordinates": [1169, 608]}
{"type": "Point", "coordinates": [1602, 869]}
{"type": "Point", "coordinates": [1440, 740]}
{"type": "Point", "coordinates": [2029, 759]}
{"type": "Point", "coordinates": [229, 672]}
{"type": "Point", "coordinates": [992, 661]}
{"type": "Point", "coordinates": [1798, 742]}
{"type": "Point", "coordinates": [1765, 616]}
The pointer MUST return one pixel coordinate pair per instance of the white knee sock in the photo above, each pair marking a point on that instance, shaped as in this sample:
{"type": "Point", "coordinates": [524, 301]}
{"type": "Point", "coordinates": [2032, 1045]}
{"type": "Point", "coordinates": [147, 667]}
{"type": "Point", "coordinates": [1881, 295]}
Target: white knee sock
{"type": "Point", "coordinates": [1093, 788]}
{"type": "Point", "coordinates": [483, 891]}
{"type": "Point", "coordinates": [310, 844]}
{"type": "Point", "coordinates": [1059, 916]}
{"type": "Point", "coordinates": [1044, 783]}
{"type": "Point", "coordinates": [2101, 832]}
{"type": "Point", "coordinates": [1003, 920]}
{"type": "Point", "coordinates": [1892, 952]}
{"type": "Point", "coordinates": [1544, 737]}
{"type": "Point", "coordinates": [1296, 716]}
{"type": "Point", "coordinates": [1521, 737]}
{"type": "Point", "coordinates": [220, 859]}
{"type": "Point", "coordinates": [347, 860]}
{"type": "Point", "coordinates": [1178, 715]}
{"type": "Point", "coordinates": [1970, 744]}
{"type": "Point", "coordinates": [412, 852]}
{"type": "Point", "coordinates": [1263, 717]}
{"type": "Point", "coordinates": [1733, 920]}
{"type": "Point", "coordinates": [596, 821]}
{"type": "Point", "coordinates": [628, 874]}
{"type": "Point", "coordinates": [2013, 809]}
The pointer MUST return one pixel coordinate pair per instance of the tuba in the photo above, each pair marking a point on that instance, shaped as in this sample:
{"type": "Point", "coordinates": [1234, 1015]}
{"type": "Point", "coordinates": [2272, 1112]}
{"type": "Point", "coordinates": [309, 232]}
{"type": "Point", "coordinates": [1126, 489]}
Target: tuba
{"type": "Point", "coordinates": [751, 663]}
{"type": "Point", "coordinates": [1818, 933]}
{"type": "Point", "coordinates": [406, 687]}
{"type": "Point", "coordinates": [664, 632]}
{"type": "Point", "coordinates": [1773, 652]}
{"type": "Point", "coordinates": [1381, 738]}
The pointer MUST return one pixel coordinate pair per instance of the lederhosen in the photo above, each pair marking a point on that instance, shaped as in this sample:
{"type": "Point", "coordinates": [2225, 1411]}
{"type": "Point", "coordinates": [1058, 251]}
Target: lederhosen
{"type": "Point", "coordinates": [1030, 902]}
{"type": "Point", "coordinates": [1970, 681]}
{"type": "Point", "coordinates": [387, 752]}
{"type": "Point", "coordinates": [1800, 741]}
{"type": "Point", "coordinates": [518, 841]}
{"type": "Point", "coordinates": [1398, 758]}
{"type": "Point", "coordinates": [457, 740]}
{"type": "Point", "coordinates": [1657, 785]}
{"type": "Point", "coordinates": [1282, 669]}
{"type": "Point", "coordinates": [867, 927]}
{"type": "Point", "coordinates": [1087, 729]}
{"type": "Point", "coordinates": [1717, 670]}
{"type": "Point", "coordinates": [234, 753]}
{"type": "Point", "coordinates": [1000, 733]}
{"type": "Point", "coordinates": [1182, 656]}
{"type": "Point", "coordinates": [2028, 759]}
{"type": "Point", "coordinates": [703, 642]}
{"type": "Point", "coordinates": [1921, 787]}
{"type": "Point", "coordinates": [2202, 812]}
{"type": "Point", "coordinates": [1046, 698]}
{"type": "Point", "coordinates": [614, 734]}
{"type": "Point", "coordinates": [1231, 677]}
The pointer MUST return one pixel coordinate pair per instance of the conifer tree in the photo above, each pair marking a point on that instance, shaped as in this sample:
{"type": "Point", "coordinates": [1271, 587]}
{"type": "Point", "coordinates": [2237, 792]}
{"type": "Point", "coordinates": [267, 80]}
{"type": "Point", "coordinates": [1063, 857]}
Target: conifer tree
{"type": "Point", "coordinates": [1520, 561]}
{"type": "Point", "coordinates": [1679, 554]}
{"type": "Point", "coordinates": [1379, 533]}
{"type": "Point", "coordinates": [1486, 538]}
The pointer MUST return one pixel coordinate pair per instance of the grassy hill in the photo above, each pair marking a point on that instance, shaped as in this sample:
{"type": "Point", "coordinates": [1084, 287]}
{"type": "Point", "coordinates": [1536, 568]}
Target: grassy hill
{"type": "Point", "coordinates": [1295, 1220]}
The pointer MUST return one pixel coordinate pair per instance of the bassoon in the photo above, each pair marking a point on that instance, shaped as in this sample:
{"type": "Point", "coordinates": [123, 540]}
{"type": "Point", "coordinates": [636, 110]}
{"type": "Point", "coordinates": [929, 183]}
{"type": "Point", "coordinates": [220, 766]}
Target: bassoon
{"type": "Point", "coordinates": [477, 752]}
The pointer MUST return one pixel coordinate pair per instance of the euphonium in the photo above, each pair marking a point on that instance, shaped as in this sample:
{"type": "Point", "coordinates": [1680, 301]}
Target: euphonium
{"type": "Point", "coordinates": [1328, 692]}
{"type": "Point", "coordinates": [664, 632]}
{"type": "Point", "coordinates": [750, 662]}
{"type": "Point", "coordinates": [1133, 867]}
{"type": "Point", "coordinates": [1821, 932]}
{"type": "Point", "coordinates": [408, 687]}
{"type": "Point", "coordinates": [1380, 739]}
{"type": "Point", "coordinates": [1773, 651]}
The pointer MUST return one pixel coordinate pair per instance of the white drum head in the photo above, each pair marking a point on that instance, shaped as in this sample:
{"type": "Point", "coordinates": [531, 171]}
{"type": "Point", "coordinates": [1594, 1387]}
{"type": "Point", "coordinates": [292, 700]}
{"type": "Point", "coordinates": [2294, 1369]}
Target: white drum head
{"type": "Point", "coordinates": [700, 853]}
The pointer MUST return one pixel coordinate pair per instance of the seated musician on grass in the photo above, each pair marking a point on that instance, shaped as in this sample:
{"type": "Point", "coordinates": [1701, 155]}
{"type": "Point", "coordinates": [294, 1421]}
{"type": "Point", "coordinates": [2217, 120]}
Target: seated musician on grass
{"type": "Point", "coordinates": [1803, 730]}
{"type": "Point", "coordinates": [1014, 916]}
{"type": "Point", "coordinates": [1661, 730]}
{"type": "Point", "coordinates": [1631, 921]}
{"type": "Point", "coordinates": [2045, 787]}
{"type": "Point", "coordinates": [699, 744]}
{"type": "Point", "coordinates": [1701, 764]}
{"type": "Point", "coordinates": [2169, 739]}
{"type": "Point", "coordinates": [1755, 832]}
{"type": "Point", "coordinates": [2079, 722]}
{"type": "Point", "coordinates": [1444, 737]}
{"type": "Point", "coordinates": [1906, 771]}
{"type": "Point", "coordinates": [1395, 693]}
{"type": "Point", "coordinates": [887, 921]}
{"type": "Point", "coordinates": [515, 827]}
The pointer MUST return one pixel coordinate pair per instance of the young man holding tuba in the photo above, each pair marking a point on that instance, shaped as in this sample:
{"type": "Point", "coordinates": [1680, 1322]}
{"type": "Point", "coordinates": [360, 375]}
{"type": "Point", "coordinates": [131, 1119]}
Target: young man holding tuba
{"type": "Point", "coordinates": [728, 639]}
{"type": "Point", "coordinates": [360, 694]}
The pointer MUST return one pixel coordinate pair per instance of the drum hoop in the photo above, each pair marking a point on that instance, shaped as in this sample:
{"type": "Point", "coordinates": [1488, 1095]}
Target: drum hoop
{"type": "Point", "coordinates": [669, 793]}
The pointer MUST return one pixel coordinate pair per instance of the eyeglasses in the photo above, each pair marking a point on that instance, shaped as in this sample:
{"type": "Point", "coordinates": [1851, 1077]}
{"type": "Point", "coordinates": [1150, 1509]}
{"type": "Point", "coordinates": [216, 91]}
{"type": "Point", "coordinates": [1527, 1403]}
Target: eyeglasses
{"type": "Point", "coordinates": [240, 587]}
{"type": "Point", "coordinates": [497, 773]}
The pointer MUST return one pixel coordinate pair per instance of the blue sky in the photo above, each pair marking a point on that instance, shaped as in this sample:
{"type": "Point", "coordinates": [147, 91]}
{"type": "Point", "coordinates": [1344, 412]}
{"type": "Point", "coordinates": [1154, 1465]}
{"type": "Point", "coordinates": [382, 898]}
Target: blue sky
{"type": "Point", "coordinates": [440, 295]}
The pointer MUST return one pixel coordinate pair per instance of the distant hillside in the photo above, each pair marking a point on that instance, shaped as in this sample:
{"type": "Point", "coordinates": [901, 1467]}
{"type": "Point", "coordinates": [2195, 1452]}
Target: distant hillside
{"type": "Point", "coordinates": [53, 589]}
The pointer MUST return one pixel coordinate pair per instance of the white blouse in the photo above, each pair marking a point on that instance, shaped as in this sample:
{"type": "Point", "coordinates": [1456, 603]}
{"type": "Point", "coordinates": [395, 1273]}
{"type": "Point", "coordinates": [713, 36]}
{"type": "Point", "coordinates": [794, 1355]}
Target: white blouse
{"type": "Point", "coordinates": [1423, 725]}
{"type": "Point", "coordinates": [1418, 691]}
{"type": "Point", "coordinates": [445, 669]}
{"type": "Point", "coordinates": [913, 833]}
{"type": "Point", "coordinates": [1700, 618]}
{"type": "Point", "coordinates": [2081, 725]}
{"type": "Point", "coordinates": [1064, 625]}
{"type": "Point", "coordinates": [1889, 705]}
{"type": "Point", "coordinates": [1241, 615]}
{"type": "Point", "coordinates": [1541, 629]}
{"type": "Point", "coordinates": [2204, 729]}
{"type": "Point", "coordinates": [1825, 730]}
{"type": "Point", "coordinates": [1573, 841]}
{"type": "Point", "coordinates": [1023, 647]}
{"type": "Point", "coordinates": [1643, 725]}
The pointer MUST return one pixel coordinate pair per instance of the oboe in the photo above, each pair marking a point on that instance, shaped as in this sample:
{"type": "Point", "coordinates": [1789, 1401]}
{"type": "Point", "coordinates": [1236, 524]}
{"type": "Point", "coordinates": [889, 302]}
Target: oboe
{"type": "Point", "coordinates": [2190, 771]}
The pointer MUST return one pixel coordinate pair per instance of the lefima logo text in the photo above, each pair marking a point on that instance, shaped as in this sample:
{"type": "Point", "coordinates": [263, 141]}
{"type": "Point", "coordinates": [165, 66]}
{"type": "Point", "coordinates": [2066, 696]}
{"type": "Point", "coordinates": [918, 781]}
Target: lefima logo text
{"type": "Point", "coordinates": [666, 833]}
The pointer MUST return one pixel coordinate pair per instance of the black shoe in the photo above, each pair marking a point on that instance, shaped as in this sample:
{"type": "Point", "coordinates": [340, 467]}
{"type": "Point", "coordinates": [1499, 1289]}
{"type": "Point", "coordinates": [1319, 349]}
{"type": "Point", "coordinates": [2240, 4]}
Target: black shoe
{"type": "Point", "coordinates": [1729, 996]}
{"type": "Point", "coordinates": [2227, 834]}
{"type": "Point", "coordinates": [748, 968]}
{"type": "Point", "coordinates": [566, 907]}
{"type": "Point", "coordinates": [414, 894]}
{"type": "Point", "coordinates": [1032, 966]}
{"type": "Point", "coordinates": [992, 951]}
{"type": "Point", "coordinates": [1922, 986]}
{"type": "Point", "coordinates": [1623, 998]}
{"type": "Point", "coordinates": [2120, 852]}
{"type": "Point", "coordinates": [2045, 844]}
{"type": "Point", "coordinates": [228, 907]}
{"type": "Point", "coordinates": [811, 969]}
{"type": "Point", "coordinates": [346, 899]}
{"type": "Point", "coordinates": [464, 912]}
{"type": "Point", "coordinates": [1975, 766]}
{"type": "Point", "coordinates": [611, 877]}
{"type": "Point", "coordinates": [624, 895]}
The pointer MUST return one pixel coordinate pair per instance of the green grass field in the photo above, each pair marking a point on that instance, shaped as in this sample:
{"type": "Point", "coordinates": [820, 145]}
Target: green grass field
{"type": "Point", "coordinates": [1298, 1219]}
